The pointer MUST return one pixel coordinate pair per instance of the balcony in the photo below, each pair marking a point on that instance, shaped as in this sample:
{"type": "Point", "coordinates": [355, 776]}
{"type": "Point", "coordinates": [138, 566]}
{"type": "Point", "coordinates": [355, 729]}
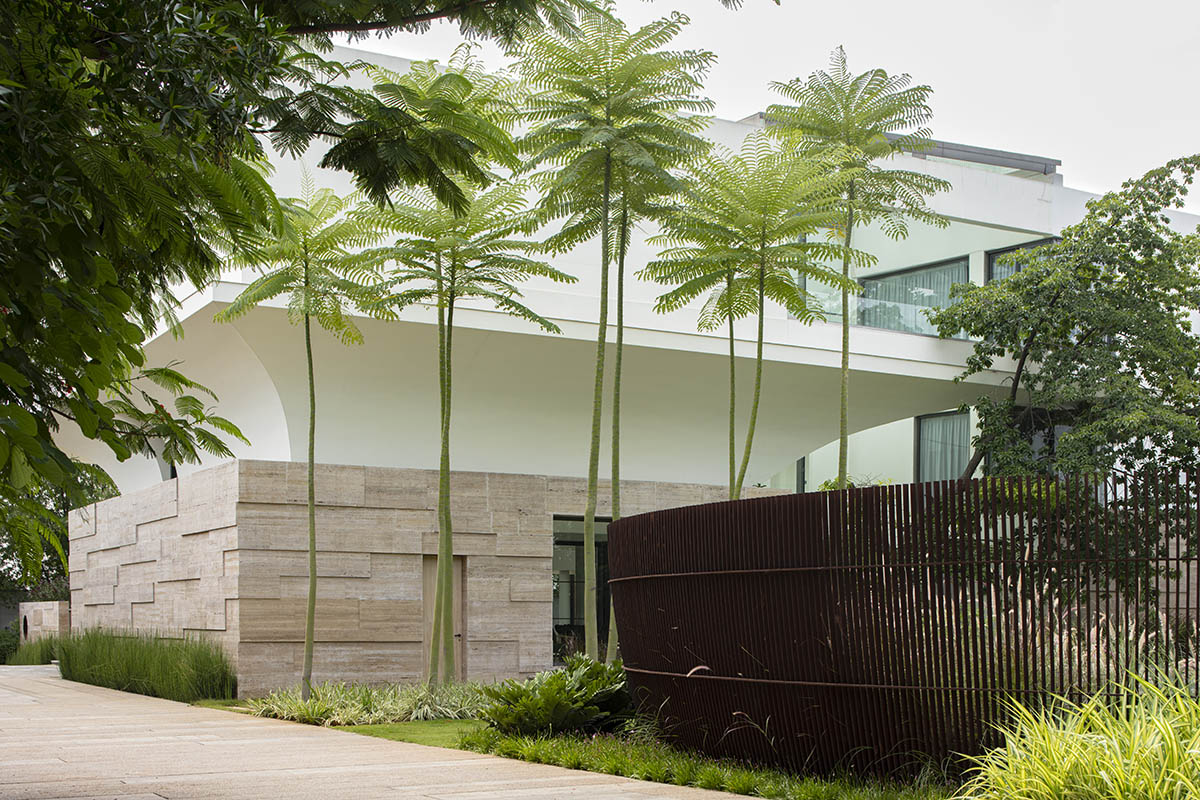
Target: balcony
{"type": "Point", "coordinates": [874, 312]}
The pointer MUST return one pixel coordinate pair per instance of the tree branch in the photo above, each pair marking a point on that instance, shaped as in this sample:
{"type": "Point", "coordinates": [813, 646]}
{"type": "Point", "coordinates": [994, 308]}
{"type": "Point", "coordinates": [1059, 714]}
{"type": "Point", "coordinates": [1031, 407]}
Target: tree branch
{"type": "Point", "coordinates": [977, 456]}
{"type": "Point", "coordinates": [452, 10]}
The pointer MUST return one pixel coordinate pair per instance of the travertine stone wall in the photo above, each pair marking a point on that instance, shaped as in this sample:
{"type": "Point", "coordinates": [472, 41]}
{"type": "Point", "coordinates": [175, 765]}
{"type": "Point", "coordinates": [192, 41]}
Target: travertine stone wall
{"type": "Point", "coordinates": [43, 619]}
{"type": "Point", "coordinates": [222, 553]}
{"type": "Point", "coordinates": [163, 559]}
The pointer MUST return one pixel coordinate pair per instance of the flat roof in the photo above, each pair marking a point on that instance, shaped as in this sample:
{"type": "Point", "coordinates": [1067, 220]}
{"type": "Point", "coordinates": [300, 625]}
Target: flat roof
{"type": "Point", "coordinates": [987, 155]}
{"type": "Point", "coordinates": [965, 152]}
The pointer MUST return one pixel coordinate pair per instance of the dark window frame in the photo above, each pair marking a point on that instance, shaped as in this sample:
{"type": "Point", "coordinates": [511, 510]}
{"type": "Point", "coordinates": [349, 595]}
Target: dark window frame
{"type": "Point", "coordinates": [917, 436]}
{"type": "Point", "coordinates": [602, 589]}
{"type": "Point", "coordinates": [989, 256]}
{"type": "Point", "coordinates": [965, 260]}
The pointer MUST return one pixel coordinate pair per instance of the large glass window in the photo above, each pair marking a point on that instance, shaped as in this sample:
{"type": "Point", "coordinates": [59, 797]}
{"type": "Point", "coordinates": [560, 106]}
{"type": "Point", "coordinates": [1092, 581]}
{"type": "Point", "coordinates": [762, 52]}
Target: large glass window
{"type": "Point", "coordinates": [568, 584]}
{"type": "Point", "coordinates": [999, 268]}
{"type": "Point", "coordinates": [823, 298]}
{"type": "Point", "coordinates": [898, 301]}
{"type": "Point", "coordinates": [943, 446]}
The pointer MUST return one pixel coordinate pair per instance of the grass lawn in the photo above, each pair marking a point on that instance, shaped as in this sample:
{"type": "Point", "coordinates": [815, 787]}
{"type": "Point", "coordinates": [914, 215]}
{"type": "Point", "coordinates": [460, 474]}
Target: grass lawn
{"type": "Point", "coordinates": [224, 705]}
{"type": "Point", "coordinates": [660, 763]}
{"type": "Point", "coordinates": [434, 732]}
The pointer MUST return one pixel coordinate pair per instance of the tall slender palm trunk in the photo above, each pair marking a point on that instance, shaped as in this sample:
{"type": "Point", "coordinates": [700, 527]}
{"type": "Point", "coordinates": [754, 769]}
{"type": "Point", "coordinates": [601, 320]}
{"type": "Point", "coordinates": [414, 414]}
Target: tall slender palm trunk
{"type": "Point", "coordinates": [732, 397]}
{"type": "Point", "coordinates": [310, 612]}
{"type": "Point", "coordinates": [758, 370]}
{"type": "Point", "coordinates": [622, 247]}
{"type": "Point", "coordinates": [590, 633]}
{"type": "Point", "coordinates": [445, 562]}
{"type": "Point", "coordinates": [844, 421]}
{"type": "Point", "coordinates": [439, 589]}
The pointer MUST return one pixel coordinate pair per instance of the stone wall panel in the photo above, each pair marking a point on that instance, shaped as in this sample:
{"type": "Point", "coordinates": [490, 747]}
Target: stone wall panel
{"type": "Point", "coordinates": [222, 553]}
{"type": "Point", "coordinates": [45, 618]}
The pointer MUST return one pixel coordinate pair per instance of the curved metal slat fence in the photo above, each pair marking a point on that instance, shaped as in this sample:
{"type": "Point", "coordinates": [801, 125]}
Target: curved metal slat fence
{"type": "Point", "coordinates": [860, 629]}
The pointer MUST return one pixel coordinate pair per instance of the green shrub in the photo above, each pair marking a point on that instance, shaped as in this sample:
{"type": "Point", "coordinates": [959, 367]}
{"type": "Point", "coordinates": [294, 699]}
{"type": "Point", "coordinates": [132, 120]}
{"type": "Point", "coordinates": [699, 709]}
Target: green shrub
{"type": "Point", "coordinates": [176, 669]}
{"type": "Point", "coordinates": [10, 640]}
{"type": "Point", "coordinates": [333, 704]}
{"type": "Point", "coordinates": [585, 696]}
{"type": "Point", "coordinates": [1145, 746]}
{"type": "Point", "coordinates": [42, 650]}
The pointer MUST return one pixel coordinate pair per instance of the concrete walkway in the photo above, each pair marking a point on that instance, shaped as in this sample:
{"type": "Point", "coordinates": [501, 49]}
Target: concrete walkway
{"type": "Point", "coordinates": [60, 739]}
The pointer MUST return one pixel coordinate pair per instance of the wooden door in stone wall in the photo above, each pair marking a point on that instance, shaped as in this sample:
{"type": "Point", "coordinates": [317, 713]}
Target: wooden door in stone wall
{"type": "Point", "coordinates": [429, 589]}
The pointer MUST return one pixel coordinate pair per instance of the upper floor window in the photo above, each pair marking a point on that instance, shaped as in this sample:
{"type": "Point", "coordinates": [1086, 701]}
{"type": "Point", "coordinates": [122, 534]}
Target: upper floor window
{"type": "Point", "coordinates": [898, 301]}
{"type": "Point", "coordinates": [1000, 268]}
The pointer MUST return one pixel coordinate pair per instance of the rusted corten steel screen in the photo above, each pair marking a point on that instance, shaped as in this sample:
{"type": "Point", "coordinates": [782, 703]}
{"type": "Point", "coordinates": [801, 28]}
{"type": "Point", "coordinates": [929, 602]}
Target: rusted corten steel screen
{"type": "Point", "coordinates": [856, 629]}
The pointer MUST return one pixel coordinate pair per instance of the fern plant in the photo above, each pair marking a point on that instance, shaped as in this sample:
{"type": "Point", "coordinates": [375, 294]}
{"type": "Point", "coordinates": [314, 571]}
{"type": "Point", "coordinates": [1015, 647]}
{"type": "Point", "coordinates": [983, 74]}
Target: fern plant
{"type": "Point", "coordinates": [584, 696]}
{"type": "Point", "coordinates": [859, 121]}
{"type": "Point", "coordinates": [741, 237]}
{"type": "Point", "coordinates": [440, 258]}
{"type": "Point", "coordinates": [310, 264]}
{"type": "Point", "coordinates": [607, 109]}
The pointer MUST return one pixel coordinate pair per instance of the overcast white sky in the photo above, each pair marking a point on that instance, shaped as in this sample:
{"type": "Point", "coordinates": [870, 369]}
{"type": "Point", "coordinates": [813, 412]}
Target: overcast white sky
{"type": "Point", "coordinates": [1108, 87]}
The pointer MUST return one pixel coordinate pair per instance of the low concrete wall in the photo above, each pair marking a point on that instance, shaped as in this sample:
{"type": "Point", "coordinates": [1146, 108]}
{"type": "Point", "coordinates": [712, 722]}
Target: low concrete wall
{"type": "Point", "coordinates": [43, 619]}
{"type": "Point", "coordinates": [222, 553]}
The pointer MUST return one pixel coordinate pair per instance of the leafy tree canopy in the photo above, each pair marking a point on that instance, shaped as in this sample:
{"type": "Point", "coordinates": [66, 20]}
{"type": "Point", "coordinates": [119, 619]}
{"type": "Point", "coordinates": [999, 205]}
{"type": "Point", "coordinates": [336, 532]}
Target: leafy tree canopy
{"type": "Point", "coordinates": [497, 19]}
{"type": "Point", "coordinates": [133, 135]}
{"type": "Point", "coordinates": [87, 485]}
{"type": "Point", "coordinates": [860, 121]}
{"type": "Point", "coordinates": [1100, 327]}
{"type": "Point", "coordinates": [131, 165]}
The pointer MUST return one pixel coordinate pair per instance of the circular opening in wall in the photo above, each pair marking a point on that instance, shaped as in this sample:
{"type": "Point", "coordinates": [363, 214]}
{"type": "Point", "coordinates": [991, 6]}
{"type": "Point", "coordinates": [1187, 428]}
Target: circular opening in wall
{"type": "Point", "coordinates": [25, 627]}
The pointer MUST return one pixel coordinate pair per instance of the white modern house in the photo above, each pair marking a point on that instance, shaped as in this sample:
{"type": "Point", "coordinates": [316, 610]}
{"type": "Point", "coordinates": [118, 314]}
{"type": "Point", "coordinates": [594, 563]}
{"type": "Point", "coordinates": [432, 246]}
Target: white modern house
{"type": "Point", "coordinates": [218, 549]}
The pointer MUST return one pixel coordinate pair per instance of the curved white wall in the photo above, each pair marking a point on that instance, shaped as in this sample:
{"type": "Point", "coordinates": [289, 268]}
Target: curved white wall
{"type": "Point", "coordinates": [216, 356]}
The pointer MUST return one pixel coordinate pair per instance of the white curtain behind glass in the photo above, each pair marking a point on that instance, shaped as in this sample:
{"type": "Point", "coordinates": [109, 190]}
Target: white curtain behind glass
{"type": "Point", "coordinates": [898, 302]}
{"type": "Point", "coordinates": [943, 446]}
{"type": "Point", "coordinates": [999, 270]}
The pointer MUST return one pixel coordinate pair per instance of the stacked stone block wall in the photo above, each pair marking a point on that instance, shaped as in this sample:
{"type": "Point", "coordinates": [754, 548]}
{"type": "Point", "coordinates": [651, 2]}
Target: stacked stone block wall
{"type": "Point", "coordinates": [162, 560]}
{"type": "Point", "coordinates": [46, 618]}
{"type": "Point", "coordinates": [223, 553]}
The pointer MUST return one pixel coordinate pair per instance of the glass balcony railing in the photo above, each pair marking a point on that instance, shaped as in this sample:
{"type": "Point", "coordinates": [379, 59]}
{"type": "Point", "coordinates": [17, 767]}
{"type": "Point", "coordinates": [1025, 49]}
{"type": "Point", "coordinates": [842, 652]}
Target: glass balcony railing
{"type": "Point", "coordinates": [897, 302]}
{"type": "Point", "coordinates": [875, 313]}
{"type": "Point", "coordinates": [893, 316]}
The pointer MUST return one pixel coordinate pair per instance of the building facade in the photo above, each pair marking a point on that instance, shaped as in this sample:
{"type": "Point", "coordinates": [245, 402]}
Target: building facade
{"type": "Point", "coordinates": [219, 549]}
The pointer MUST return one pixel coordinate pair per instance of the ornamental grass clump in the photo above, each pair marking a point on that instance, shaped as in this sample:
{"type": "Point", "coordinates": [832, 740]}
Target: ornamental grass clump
{"type": "Point", "coordinates": [1146, 745]}
{"type": "Point", "coordinates": [186, 670]}
{"type": "Point", "coordinates": [335, 704]}
{"type": "Point", "coordinates": [42, 650]}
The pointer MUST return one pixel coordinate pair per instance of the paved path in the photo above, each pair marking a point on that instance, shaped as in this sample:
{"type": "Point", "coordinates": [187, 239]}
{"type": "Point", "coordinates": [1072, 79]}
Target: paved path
{"type": "Point", "coordinates": [60, 739]}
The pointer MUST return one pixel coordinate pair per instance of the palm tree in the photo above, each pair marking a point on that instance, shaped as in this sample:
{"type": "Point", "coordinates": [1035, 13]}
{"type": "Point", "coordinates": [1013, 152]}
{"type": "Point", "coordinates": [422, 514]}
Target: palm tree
{"type": "Point", "coordinates": [310, 264]}
{"type": "Point", "coordinates": [483, 107]}
{"type": "Point", "coordinates": [441, 258]}
{"type": "Point", "coordinates": [861, 120]}
{"type": "Point", "coordinates": [741, 237]}
{"type": "Point", "coordinates": [638, 196]}
{"type": "Point", "coordinates": [462, 96]}
{"type": "Point", "coordinates": [606, 103]}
